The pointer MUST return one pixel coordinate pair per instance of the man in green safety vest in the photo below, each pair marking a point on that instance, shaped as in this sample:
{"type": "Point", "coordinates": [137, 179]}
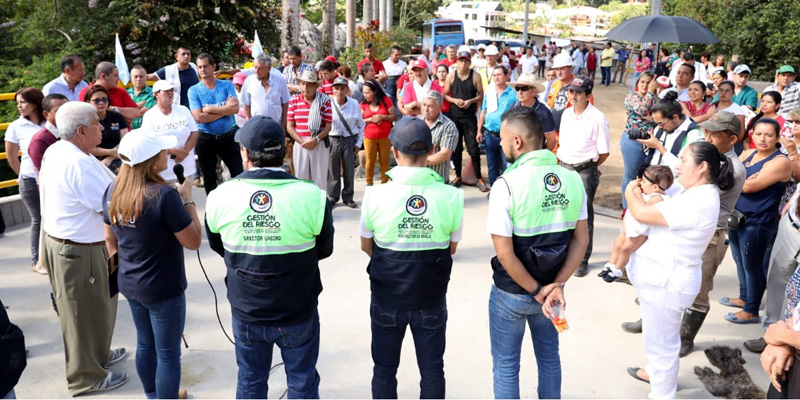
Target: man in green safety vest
{"type": "Point", "coordinates": [410, 228]}
{"type": "Point", "coordinates": [272, 230]}
{"type": "Point", "coordinates": [537, 219]}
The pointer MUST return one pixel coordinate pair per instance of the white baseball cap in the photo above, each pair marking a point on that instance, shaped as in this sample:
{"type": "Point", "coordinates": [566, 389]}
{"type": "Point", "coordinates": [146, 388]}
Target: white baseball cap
{"type": "Point", "coordinates": [491, 50]}
{"type": "Point", "coordinates": [161, 85]}
{"type": "Point", "coordinates": [562, 60]}
{"type": "Point", "coordinates": [139, 146]}
{"type": "Point", "coordinates": [482, 46]}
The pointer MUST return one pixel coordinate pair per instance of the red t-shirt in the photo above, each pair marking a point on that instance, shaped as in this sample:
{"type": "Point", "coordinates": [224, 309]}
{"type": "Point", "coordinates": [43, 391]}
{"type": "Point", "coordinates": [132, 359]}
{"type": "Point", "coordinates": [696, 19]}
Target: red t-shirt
{"type": "Point", "coordinates": [116, 97]}
{"type": "Point", "coordinates": [298, 113]}
{"type": "Point", "coordinates": [447, 62]}
{"type": "Point", "coordinates": [410, 95]}
{"type": "Point", "coordinates": [377, 131]}
{"type": "Point", "coordinates": [326, 87]}
{"type": "Point", "coordinates": [39, 143]}
{"type": "Point", "coordinates": [376, 64]}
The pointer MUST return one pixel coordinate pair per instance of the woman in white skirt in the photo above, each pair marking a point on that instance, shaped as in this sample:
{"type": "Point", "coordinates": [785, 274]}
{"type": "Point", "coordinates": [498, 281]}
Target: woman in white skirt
{"type": "Point", "coordinates": [666, 270]}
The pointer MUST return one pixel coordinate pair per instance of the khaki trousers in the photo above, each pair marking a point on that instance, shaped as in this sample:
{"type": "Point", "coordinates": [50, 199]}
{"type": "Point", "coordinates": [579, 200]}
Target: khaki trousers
{"type": "Point", "coordinates": [712, 258]}
{"type": "Point", "coordinates": [79, 278]}
{"type": "Point", "coordinates": [312, 165]}
{"type": "Point", "coordinates": [376, 148]}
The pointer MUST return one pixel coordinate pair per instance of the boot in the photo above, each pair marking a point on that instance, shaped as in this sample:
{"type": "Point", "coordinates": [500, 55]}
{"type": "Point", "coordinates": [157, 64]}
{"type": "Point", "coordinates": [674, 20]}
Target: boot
{"type": "Point", "coordinates": [690, 325]}
{"type": "Point", "coordinates": [632, 327]}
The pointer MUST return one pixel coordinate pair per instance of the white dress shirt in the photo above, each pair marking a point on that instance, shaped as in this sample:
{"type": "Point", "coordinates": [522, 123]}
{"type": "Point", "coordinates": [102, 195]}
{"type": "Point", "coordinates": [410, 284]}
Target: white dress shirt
{"type": "Point", "coordinates": [262, 102]}
{"type": "Point", "coordinates": [583, 137]}
{"type": "Point", "coordinates": [351, 111]}
{"type": "Point", "coordinates": [72, 184]}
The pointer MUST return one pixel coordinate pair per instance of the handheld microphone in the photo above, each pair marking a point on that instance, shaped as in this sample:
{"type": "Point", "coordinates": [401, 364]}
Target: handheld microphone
{"type": "Point", "coordinates": [178, 171]}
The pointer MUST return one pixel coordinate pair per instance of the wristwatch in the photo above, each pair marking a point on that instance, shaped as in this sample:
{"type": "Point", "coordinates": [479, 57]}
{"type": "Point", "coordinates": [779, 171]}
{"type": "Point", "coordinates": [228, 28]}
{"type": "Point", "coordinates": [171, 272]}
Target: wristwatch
{"type": "Point", "coordinates": [538, 289]}
{"type": "Point", "coordinates": [317, 137]}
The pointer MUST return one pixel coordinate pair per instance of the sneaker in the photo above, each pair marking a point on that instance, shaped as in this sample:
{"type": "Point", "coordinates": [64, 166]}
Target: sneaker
{"type": "Point", "coordinates": [39, 269]}
{"type": "Point", "coordinates": [115, 357]}
{"type": "Point", "coordinates": [113, 380]}
{"type": "Point", "coordinates": [456, 182]}
{"type": "Point", "coordinates": [755, 345]}
{"type": "Point", "coordinates": [481, 186]}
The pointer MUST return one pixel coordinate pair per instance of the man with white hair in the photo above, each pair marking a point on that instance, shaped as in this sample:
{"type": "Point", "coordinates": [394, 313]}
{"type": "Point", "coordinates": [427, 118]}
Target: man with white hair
{"type": "Point", "coordinates": [72, 183]}
{"type": "Point", "coordinates": [444, 134]}
{"type": "Point", "coordinates": [265, 93]}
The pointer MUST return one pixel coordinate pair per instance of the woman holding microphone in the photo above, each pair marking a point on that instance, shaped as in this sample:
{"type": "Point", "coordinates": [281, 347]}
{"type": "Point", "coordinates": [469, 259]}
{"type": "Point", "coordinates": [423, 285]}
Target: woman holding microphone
{"type": "Point", "coordinates": [666, 270]}
{"type": "Point", "coordinates": [148, 224]}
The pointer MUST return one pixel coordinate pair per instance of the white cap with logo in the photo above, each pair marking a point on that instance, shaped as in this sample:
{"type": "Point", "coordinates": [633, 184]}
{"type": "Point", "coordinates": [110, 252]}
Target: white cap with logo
{"type": "Point", "coordinates": [139, 146]}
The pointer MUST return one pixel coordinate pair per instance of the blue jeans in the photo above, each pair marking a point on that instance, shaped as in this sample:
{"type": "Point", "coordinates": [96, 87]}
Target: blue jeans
{"type": "Point", "coordinates": [635, 79]}
{"type": "Point", "coordinates": [751, 246]}
{"type": "Point", "coordinates": [507, 316]}
{"type": "Point", "coordinates": [605, 73]}
{"type": "Point", "coordinates": [388, 329]}
{"type": "Point", "coordinates": [29, 191]}
{"type": "Point", "coordinates": [299, 346]}
{"type": "Point", "coordinates": [10, 395]}
{"type": "Point", "coordinates": [632, 158]}
{"type": "Point", "coordinates": [159, 327]}
{"type": "Point", "coordinates": [495, 160]}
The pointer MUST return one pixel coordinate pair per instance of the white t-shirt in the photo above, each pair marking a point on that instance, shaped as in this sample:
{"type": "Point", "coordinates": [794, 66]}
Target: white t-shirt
{"type": "Point", "coordinates": [72, 184]}
{"type": "Point", "coordinates": [178, 123]}
{"type": "Point", "coordinates": [672, 256]}
{"type": "Point", "coordinates": [21, 132]}
{"type": "Point", "coordinates": [498, 220]}
{"type": "Point", "coordinates": [734, 109]}
{"type": "Point", "coordinates": [393, 69]}
{"type": "Point", "coordinates": [528, 63]}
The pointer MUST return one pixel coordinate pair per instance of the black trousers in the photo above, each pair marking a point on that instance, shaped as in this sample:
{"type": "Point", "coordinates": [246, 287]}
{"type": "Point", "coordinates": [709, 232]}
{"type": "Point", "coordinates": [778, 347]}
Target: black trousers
{"type": "Point", "coordinates": [209, 147]}
{"type": "Point", "coordinates": [342, 160]}
{"type": "Point", "coordinates": [467, 132]}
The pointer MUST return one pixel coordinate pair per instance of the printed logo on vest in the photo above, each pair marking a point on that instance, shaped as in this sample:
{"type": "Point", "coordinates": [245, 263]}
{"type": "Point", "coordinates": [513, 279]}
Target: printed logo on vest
{"type": "Point", "coordinates": [552, 183]}
{"type": "Point", "coordinates": [416, 205]}
{"type": "Point", "coordinates": [261, 201]}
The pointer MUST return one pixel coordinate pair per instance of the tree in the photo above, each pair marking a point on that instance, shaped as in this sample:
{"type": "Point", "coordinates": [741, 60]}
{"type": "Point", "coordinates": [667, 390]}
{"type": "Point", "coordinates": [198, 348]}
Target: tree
{"type": "Point", "coordinates": [290, 23]}
{"type": "Point", "coordinates": [764, 33]}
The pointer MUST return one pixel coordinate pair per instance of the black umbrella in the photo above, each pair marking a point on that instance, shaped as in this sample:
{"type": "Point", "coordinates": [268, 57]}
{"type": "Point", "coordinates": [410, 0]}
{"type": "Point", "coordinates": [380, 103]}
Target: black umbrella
{"type": "Point", "coordinates": [662, 29]}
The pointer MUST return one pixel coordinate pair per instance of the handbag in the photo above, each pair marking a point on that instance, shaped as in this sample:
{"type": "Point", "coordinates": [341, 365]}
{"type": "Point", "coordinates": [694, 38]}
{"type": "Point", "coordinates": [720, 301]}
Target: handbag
{"type": "Point", "coordinates": [736, 220]}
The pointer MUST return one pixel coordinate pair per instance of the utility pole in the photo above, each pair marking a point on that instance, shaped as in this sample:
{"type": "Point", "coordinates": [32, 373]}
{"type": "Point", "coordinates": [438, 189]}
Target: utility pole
{"type": "Point", "coordinates": [350, 19]}
{"type": "Point", "coordinates": [655, 7]}
{"type": "Point", "coordinates": [525, 26]}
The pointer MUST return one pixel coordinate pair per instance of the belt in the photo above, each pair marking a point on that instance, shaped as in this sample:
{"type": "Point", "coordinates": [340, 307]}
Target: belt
{"type": "Point", "coordinates": [226, 135]}
{"type": "Point", "coordinates": [579, 166]}
{"type": "Point", "coordinates": [339, 137]}
{"type": "Point", "coordinates": [794, 223]}
{"type": "Point", "coordinates": [493, 133]}
{"type": "Point", "coordinates": [67, 241]}
{"type": "Point", "coordinates": [394, 76]}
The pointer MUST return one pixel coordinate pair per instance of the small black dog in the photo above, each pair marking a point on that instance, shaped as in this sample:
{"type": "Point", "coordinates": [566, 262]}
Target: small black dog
{"type": "Point", "coordinates": [733, 381]}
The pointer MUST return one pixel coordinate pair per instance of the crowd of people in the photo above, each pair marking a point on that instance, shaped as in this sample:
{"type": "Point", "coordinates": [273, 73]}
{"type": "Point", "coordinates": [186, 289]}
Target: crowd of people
{"type": "Point", "coordinates": [707, 160]}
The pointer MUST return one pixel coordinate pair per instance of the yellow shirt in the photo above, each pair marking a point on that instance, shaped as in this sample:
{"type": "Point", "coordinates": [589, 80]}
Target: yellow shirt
{"type": "Point", "coordinates": [608, 52]}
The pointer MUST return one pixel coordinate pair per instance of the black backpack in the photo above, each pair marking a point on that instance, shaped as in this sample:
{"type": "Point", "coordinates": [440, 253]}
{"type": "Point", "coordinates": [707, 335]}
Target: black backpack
{"type": "Point", "coordinates": [12, 353]}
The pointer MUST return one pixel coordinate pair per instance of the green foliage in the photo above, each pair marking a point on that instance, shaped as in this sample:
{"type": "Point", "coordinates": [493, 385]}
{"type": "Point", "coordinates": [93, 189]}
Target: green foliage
{"type": "Point", "coordinates": [383, 41]}
{"type": "Point", "coordinates": [412, 14]}
{"type": "Point", "coordinates": [625, 11]}
{"type": "Point", "coordinates": [764, 33]}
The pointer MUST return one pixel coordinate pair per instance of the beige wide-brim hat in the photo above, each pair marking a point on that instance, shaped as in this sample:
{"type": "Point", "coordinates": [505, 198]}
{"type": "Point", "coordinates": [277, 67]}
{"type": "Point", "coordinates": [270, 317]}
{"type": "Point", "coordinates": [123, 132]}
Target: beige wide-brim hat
{"type": "Point", "coordinates": [309, 77]}
{"type": "Point", "coordinates": [528, 79]}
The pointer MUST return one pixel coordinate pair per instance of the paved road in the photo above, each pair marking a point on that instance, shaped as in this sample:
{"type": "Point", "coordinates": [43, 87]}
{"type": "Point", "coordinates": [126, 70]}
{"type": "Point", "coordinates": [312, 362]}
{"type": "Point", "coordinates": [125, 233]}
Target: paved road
{"type": "Point", "coordinates": [594, 351]}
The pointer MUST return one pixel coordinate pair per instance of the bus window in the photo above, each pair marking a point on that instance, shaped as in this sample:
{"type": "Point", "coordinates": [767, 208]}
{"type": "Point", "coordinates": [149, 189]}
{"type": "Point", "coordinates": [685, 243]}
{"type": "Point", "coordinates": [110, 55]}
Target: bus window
{"type": "Point", "coordinates": [448, 29]}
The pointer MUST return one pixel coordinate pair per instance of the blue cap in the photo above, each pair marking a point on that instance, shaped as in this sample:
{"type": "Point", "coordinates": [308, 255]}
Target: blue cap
{"type": "Point", "coordinates": [411, 136]}
{"type": "Point", "coordinates": [261, 133]}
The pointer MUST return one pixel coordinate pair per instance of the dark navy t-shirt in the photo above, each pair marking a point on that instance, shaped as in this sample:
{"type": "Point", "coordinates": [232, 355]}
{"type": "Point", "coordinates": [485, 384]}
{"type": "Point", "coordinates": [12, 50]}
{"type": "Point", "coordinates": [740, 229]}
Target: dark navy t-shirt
{"type": "Point", "coordinates": [548, 122]}
{"type": "Point", "coordinates": [151, 267]}
{"type": "Point", "coordinates": [188, 78]}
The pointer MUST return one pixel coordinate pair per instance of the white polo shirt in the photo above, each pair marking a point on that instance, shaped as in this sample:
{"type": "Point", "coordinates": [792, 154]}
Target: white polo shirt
{"type": "Point", "coordinates": [583, 137]}
{"type": "Point", "coordinates": [73, 183]}
{"type": "Point", "coordinates": [393, 69]}
{"type": "Point", "coordinates": [262, 102]}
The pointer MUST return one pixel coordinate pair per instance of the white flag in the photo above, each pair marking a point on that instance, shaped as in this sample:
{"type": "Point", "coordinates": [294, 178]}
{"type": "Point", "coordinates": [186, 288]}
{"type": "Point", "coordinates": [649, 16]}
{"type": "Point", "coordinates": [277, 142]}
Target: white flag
{"type": "Point", "coordinates": [256, 49]}
{"type": "Point", "coordinates": [122, 65]}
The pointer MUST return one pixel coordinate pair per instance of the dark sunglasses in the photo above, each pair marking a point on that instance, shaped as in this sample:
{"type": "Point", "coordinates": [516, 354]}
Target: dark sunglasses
{"type": "Point", "coordinates": [793, 121]}
{"type": "Point", "coordinates": [100, 101]}
{"type": "Point", "coordinates": [522, 88]}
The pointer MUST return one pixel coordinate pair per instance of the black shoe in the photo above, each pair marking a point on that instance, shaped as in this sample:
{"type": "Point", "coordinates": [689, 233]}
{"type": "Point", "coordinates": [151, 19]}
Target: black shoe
{"type": "Point", "coordinates": [755, 345]}
{"type": "Point", "coordinates": [632, 327]}
{"type": "Point", "coordinates": [482, 186]}
{"type": "Point", "coordinates": [456, 182]}
{"type": "Point", "coordinates": [53, 300]}
{"type": "Point", "coordinates": [581, 271]}
{"type": "Point", "coordinates": [351, 204]}
{"type": "Point", "coordinates": [690, 325]}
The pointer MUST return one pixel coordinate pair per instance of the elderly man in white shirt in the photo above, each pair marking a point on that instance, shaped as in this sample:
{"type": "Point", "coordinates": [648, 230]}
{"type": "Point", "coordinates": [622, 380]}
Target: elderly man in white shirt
{"type": "Point", "coordinates": [583, 146]}
{"type": "Point", "coordinates": [265, 93]}
{"type": "Point", "coordinates": [72, 182]}
{"type": "Point", "coordinates": [347, 135]}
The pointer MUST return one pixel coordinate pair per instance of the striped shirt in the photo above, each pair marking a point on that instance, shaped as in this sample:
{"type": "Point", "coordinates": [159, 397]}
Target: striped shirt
{"type": "Point", "coordinates": [291, 76]}
{"type": "Point", "coordinates": [444, 135]}
{"type": "Point", "coordinates": [326, 87]}
{"type": "Point", "coordinates": [298, 113]}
